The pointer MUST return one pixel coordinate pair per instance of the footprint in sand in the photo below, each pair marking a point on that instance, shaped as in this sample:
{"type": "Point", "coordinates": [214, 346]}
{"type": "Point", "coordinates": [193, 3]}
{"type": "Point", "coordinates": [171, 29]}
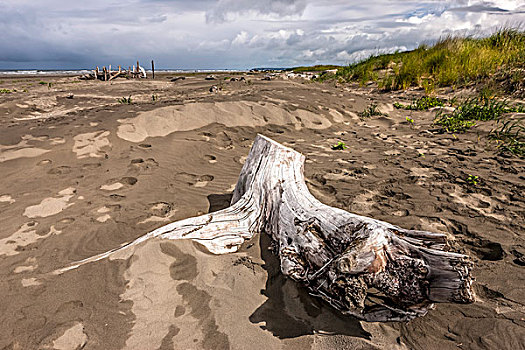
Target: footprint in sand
{"type": "Point", "coordinates": [91, 144]}
{"type": "Point", "coordinates": [144, 165]}
{"type": "Point", "coordinates": [345, 174]}
{"type": "Point", "coordinates": [104, 218]}
{"type": "Point", "coordinates": [194, 180]}
{"type": "Point", "coordinates": [60, 170]}
{"type": "Point", "coordinates": [6, 199]}
{"type": "Point", "coordinates": [240, 159]}
{"type": "Point", "coordinates": [160, 212]}
{"type": "Point", "coordinates": [117, 197]}
{"type": "Point", "coordinates": [128, 180]}
{"type": "Point", "coordinates": [29, 266]}
{"type": "Point", "coordinates": [44, 162]}
{"type": "Point", "coordinates": [90, 166]}
{"type": "Point", "coordinates": [112, 187]}
{"type": "Point", "coordinates": [210, 158]}
{"type": "Point", "coordinates": [105, 210]}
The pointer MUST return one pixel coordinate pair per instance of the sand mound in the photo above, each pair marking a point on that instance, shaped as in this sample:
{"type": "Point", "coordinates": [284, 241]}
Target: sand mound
{"type": "Point", "coordinates": [166, 120]}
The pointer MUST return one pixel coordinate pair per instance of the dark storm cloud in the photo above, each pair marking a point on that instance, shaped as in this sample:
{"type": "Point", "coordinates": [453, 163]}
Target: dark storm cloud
{"type": "Point", "coordinates": [223, 9]}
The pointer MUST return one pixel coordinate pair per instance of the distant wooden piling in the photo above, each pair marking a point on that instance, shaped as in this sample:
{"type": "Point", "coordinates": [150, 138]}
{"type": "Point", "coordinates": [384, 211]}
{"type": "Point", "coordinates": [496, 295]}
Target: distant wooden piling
{"type": "Point", "coordinates": [153, 68]}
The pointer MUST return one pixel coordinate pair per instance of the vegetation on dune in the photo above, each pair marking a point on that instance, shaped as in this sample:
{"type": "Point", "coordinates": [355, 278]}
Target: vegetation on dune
{"type": "Point", "coordinates": [453, 61]}
{"type": "Point", "coordinates": [472, 179]}
{"type": "Point", "coordinates": [509, 134]}
{"type": "Point", "coordinates": [474, 109]}
{"type": "Point", "coordinates": [340, 146]}
{"type": "Point", "coordinates": [422, 104]}
{"type": "Point", "coordinates": [125, 100]}
{"type": "Point", "coordinates": [317, 68]}
{"type": "Point", "coordinates": [370, 111]}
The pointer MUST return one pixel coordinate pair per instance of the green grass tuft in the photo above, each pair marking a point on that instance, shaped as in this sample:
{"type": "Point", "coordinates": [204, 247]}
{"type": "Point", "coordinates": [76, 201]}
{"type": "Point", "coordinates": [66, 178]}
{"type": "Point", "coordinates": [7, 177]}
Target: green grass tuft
{"type": "Point", "coordinates": [421, 104]}
{"type": "Point", "coordinates": [370, 111]}
{"type": "Point", "coordinates": [472, 180]}
{"type": "Point", "coordinates": [124, 100]}
{"type": "Point", "coordinates": [471, 110]}
{"type": "Point", "coordinates": [509, 133]}
{"type": "Point", "coordinates": [339, 146]}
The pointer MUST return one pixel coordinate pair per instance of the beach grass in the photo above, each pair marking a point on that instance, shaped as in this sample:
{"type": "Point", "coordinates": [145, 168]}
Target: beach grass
{"type": "Point", "coordinates": [509, 134]}
{"type": "Point", "coordinates": [422, 104]}
{"type": "Point", "coordinates": [452, 61]}
{"type": "Point", "coordinates": [474, 109]}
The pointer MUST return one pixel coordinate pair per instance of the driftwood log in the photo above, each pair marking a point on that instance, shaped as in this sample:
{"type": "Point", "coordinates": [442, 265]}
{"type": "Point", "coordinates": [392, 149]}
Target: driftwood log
{"type": "Point", "coordinates": [363, 267]}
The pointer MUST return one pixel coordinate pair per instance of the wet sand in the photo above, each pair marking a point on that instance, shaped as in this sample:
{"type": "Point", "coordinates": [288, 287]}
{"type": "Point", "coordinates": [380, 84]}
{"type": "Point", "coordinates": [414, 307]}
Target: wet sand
{"type": "Point", "coordinates": [86, 174]}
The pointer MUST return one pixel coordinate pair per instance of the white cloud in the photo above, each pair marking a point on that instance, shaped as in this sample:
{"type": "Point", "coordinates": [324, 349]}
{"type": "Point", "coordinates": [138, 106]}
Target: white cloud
{"type": "Point", "coordinates": [232, 33]}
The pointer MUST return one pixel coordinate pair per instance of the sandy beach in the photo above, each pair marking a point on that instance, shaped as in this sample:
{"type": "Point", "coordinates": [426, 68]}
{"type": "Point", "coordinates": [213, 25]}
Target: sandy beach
{"type": "Point", "coordinates": [83, 173]}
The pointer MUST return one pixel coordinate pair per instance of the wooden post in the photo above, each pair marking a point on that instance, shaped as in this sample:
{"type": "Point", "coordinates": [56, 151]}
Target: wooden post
{"type": "Point", "coordinates": [153, 68]}
{"type": "Point", "coordinates": [363, 267]}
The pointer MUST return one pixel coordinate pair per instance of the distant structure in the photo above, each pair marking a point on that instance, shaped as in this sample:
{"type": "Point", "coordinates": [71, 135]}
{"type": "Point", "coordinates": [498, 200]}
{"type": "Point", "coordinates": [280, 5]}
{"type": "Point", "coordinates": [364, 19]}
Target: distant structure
{"type": "Point", "coordinates": [107, 74]}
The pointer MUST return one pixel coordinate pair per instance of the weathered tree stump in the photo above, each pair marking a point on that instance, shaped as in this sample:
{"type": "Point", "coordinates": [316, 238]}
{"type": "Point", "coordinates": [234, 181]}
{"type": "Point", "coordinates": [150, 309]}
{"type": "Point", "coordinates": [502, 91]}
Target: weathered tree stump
{"type": "Point", "coordinates": [363, 267]}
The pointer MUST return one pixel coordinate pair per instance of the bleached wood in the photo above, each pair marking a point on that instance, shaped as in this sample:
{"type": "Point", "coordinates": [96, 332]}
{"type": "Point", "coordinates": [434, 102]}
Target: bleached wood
{"type": "Point", "coordinates": [361, 266]}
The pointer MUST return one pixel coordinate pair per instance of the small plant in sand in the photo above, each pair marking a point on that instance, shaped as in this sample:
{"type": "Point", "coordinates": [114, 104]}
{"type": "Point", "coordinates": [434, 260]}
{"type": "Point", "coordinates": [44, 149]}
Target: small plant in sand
{"type": "Point", "coordinates": [124, 100]}
{"type": "Point", "coordinates": [340, 146]}
{"type": "Point", "coordinates": [472, 180]}
{"type": "Point", "coordinates": [49, 85]}
{"type": "Point", "coordinates": [370, 111]}
{"type": "Point", "coordinates": [42, 83]}
{"type": "Point", "coordinates": [154, 98]}
{"type": "Point", "coordinates": [509, 133]}
{"type": "Point", "coordinates": [410, 120]}
{"type": "Point", "coordinates": [422, 104]}
{"type": "Point", "coordinates": [5, 91]}
{"type": "Point", "coordinates": [471, 110]}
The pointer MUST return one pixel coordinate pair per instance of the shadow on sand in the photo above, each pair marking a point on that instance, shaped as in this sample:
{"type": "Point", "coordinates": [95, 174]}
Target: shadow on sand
{"type": "Point", "coordinates": [290, 311]}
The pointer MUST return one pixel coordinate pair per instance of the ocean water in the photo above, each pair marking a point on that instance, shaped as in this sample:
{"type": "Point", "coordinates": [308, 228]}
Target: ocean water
{"type": "Point", "coordinates": [84, 71]}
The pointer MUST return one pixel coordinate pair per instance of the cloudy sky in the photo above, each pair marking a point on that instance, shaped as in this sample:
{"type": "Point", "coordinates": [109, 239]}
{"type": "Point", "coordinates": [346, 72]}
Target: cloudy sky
{"type": "Point", "coordinates": [235, 34]}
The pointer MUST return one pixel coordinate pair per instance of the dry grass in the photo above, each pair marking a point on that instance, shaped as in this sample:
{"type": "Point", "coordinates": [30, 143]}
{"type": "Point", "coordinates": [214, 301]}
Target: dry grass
{"type": "Point", "coordinates": [453, 61]}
